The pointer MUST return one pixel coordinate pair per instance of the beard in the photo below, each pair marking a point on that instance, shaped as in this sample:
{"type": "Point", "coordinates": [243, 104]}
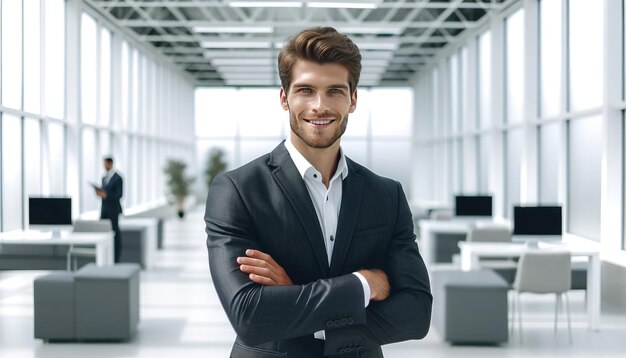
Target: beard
{"type": "Point", "coordinates": [316, 138]}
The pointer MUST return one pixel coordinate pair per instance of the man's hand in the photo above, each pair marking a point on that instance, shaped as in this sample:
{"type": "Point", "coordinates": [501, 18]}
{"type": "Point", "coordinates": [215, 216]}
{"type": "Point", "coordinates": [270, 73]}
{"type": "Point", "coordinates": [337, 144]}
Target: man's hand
{"type": "Point", "coordinates": [101, 193]}
{"type": "Point", "coordinates": [262, 269]}
{"type": "Point", "coordinates": [379, 283]}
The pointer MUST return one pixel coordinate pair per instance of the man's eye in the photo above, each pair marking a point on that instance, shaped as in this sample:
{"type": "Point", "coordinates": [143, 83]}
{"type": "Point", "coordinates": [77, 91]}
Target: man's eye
{"type": "Point", "coordinates": [304, 90]}
{"type": "Point", "coordinates": [335, 91]}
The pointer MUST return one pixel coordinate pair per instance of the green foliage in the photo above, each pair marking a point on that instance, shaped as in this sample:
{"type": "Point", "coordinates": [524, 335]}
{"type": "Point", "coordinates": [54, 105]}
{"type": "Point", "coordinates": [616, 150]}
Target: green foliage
{"type": "Point", "coordinates": [177, 182]}
{"type": "Point", "coordinates": [215, 165]}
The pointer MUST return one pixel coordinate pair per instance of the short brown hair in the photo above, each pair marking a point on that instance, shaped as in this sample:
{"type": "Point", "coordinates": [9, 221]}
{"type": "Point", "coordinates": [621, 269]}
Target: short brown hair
{"type": "Point", "coordinates": [320, 45]}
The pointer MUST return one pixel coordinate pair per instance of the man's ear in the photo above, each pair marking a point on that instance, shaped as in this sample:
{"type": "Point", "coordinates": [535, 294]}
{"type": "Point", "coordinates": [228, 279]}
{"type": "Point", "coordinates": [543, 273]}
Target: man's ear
{"type": "Point", "coordinates": [283, 99]}
{"type": "Point", "coordinates": [353, 101]}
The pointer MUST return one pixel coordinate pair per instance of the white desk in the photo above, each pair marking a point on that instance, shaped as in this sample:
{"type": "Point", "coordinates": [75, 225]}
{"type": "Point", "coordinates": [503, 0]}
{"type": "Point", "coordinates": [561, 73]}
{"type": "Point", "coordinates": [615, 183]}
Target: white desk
{"type": "Point", "coordinates": [103, 241]}
{"type": "Point", "coordinates": [430, 228]}
{"type": "Point", "coordinates": [471, 252]}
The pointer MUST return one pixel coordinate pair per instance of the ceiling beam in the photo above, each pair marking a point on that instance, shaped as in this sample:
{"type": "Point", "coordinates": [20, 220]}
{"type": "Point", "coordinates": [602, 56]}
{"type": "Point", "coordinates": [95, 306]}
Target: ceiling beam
{"type": "Point", "coordinates": [291, 24]}
{"type": "Point", "coordinates": [205, 4]}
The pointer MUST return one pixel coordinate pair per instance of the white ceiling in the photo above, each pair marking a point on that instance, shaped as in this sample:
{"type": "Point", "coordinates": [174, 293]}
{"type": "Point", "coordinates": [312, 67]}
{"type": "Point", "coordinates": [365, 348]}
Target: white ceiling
{"type": "Point", "coordinates": [228, 42]}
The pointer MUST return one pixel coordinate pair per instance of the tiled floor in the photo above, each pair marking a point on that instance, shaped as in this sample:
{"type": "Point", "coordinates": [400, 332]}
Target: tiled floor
{"type": "Point", "coordinates": [181, 317]}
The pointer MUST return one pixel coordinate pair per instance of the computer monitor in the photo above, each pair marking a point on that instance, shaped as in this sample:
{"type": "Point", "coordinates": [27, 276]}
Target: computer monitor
{"type": "Point", "coordinates": [479, 206]}
{"type": "Point", "coordinates": [537, 223]}
{"type": "Point", "coordinates": [50, 213]}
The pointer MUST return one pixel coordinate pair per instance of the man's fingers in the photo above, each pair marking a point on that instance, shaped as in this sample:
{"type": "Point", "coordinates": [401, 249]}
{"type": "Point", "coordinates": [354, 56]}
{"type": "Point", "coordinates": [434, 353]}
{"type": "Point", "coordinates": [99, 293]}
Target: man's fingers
{"type": "Point", "coordinates": [258, 271]}
{"type": "Point", "coordinates": [259, 255]}
{"type": "Point", "coordinates": [259, 263]}
{"type": "Point", "coordinates": [262, 280]}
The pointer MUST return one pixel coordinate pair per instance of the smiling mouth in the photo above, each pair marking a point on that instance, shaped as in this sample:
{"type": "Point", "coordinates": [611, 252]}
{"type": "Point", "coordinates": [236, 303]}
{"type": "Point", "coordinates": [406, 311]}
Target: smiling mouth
{"type": "Point", "coordinates": [320, 122]}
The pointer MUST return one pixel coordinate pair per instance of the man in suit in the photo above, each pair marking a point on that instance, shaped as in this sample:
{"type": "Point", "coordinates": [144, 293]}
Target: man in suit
{"type": "Point", "coordinates": [111, 192]}
{"type": "Point", "coordinates": [312, 254]}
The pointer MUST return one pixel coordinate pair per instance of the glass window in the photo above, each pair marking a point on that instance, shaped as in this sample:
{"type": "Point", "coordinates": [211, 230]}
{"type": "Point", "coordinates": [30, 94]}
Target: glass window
{"type": "Point", "coordinates": [105, 77]}
{"type": "Point", "coordinates": [549, 154]}
{"type": "Point", "coordinates": [262, 115]}
{"type": "Point", "coordinates": [359, 120]}
{"type": "Point", "coordinates": [32, 160]}
{"type": "Point", "coordinates": [515, 67]}
{"type": "Point", "coordinates": [356, 149]}
{"type": "Point", "coordinates": [32, 56]}
{"type": "Point", "coordinates": [12, 54]}
{"type": "Point", "coordinates": [484, 83]}
{"type": "Point", "coordinates": [390, 159]}
{"type": "Point", "coordinates": [88, 66]}
{"type": "Point", "coordinates": [586, 57]}
{"type": "Point", "coordinates": [125, 90]}
{"type": "Point", "coordinates": [215, 111]}
{"type": "Point", "coordinates": [484, 147]}
{"type": "Point", "coordinates": [11, 172]}
{"type": "Point", "coordinates": [391, 112]}
{"type": "Point", "coordinates": [54, 37]}
{"type": "Point", "coordinates": [550, 57]}
{"type": "Point", "coordinates": [467, 122]}
{"type": "Point", "coordinates": [469, 165]}
{"type": "Point", "coordinates": [133, 171]}
{"type": "Point", "coordinates": [252, 149]}
{"type": "Point", "coordinates": [514, 144]}
{"type": "Point", "coordinates": [55, 153]}
{"type": "Point", "coordinates": [454, 87]}
{"type": "Point", "coordinates": [89, 170]}
{"type": "Point", "coordinates": [134, 105]}
{"type": "Point", "coordinates": [584, 176]}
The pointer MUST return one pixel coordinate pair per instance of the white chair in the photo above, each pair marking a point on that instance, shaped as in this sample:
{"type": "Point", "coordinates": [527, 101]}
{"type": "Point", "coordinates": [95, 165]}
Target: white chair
{"type": "Point", "coordinates": [543, 271]}
{"type": "Point", "coordinates": [103, 225]}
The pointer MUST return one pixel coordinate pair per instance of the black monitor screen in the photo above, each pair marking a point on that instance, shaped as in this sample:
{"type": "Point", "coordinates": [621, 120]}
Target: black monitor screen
{"type": "Point", "coordinates": [478, 205]}
{"type": "Point", "coordinates": [50, 211]}
{"type": "Point", "coordinates": [537, 220]}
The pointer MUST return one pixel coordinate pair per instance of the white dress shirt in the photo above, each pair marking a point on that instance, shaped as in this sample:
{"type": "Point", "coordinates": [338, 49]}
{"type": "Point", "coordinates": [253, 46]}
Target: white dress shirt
{"type": "Point", "coordinates": [327, 202]}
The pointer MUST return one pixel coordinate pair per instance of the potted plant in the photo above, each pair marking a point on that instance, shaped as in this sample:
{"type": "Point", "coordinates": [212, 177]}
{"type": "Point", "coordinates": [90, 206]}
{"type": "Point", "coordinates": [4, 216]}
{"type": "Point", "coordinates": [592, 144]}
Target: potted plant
{"type": "Point", "coordinates": [215, 165]}
{"type": "Point", "coordinates": [178, 183]}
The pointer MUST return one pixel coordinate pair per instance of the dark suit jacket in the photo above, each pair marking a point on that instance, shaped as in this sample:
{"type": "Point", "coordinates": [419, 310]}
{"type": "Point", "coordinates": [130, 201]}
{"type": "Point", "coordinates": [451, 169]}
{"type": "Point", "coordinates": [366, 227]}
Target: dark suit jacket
{"type": "Point", "coordinates": [111, 204]}
{"type": "Point", "coordinates": [265, 205]}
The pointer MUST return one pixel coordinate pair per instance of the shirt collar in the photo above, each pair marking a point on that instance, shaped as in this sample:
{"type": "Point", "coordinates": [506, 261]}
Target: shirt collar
{"type": "Point", "coordinates": [303, 165]}
{"type": "Point", "coordinates": [110, 173]}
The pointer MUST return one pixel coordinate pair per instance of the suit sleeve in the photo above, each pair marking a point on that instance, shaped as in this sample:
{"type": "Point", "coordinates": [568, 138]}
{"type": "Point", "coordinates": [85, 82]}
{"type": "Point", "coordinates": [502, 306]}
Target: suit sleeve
{"type": "Point", "coordinates": [266, 313]}
{"type": "Point", "coordinates": [405, 314]}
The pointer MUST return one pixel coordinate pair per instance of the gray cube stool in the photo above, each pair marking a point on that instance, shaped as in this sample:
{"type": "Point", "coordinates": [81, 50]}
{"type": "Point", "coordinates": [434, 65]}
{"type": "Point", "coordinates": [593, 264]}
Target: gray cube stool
{"type": "Point", "coordinates": [54, 306]}
{"type": "Point", "coordinates": [107, 301]}
{"type": "Point", "coordinates": [470, 307]}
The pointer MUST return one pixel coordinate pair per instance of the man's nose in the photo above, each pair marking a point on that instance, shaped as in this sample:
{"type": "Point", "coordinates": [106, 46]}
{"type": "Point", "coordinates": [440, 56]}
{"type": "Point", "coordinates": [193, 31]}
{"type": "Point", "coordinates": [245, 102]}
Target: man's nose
{"type": "Point", "coordinates": [320, 103]}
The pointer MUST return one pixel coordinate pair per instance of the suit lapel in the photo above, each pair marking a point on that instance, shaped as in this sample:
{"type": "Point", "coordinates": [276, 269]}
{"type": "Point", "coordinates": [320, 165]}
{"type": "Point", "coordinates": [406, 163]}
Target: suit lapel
{"type": "Point", "coordinates": [291, 183]}
{"type": "Point", "coordinates": [350, 205]}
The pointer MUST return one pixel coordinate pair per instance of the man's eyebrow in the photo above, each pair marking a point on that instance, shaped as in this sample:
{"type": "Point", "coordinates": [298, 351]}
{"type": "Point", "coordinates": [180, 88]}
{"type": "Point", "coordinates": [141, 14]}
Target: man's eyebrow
{"type": "Point", "coordinates": [341, 85]}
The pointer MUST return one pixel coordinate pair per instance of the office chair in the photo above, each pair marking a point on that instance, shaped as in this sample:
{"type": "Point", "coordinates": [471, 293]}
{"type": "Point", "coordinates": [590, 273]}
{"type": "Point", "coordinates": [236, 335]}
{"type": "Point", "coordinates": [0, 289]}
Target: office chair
{"type": "Point", "coordinates": [543, 271]}
{"type": "Point", "coordinates": [103, 225]}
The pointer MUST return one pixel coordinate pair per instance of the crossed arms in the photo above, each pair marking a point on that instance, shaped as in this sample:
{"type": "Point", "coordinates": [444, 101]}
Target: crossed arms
{"type": "Point", "coordinates": [264, 305]}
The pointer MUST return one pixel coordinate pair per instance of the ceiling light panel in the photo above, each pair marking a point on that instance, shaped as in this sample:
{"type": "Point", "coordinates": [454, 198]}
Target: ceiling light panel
{"type": "Point", "coordinates": [234, 29]}
{"type": "Point", "coordinates": [371, 30]}
{"type": "Point", "coordinates": [362, 4]}
{"type": "Point", "coordinates": [242, 62]}
{"type": "Point", "coordinates": [265, 3]}
{"type": "Point", "coordinates": [235, 44]}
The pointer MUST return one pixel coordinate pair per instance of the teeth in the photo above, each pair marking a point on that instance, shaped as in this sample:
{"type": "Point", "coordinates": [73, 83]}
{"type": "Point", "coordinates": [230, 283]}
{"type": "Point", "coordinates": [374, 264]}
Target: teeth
{"type": "Point", "coordinates": [320, 122]}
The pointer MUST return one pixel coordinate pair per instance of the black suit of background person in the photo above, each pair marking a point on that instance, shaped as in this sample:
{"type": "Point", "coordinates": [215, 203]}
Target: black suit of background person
{"type": "Point", "coordinates": [111, 192]}
{"type": "Point", "coordinates": [297, 281]}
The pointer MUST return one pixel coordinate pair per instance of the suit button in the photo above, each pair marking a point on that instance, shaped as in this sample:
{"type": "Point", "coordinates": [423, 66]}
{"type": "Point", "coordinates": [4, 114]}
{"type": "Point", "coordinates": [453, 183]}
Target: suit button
{"type": "Point", "coordinates": [348, 349]}
{"type": "Point", "coordinates": [341, 350]}
{"type": "Point", "coordinates": [329, 324]}
{"type": "Point", "coordinates": [350, 320]}
{"type": "Point", "coordinates": [343, 321]}
{"type": "Point", "coordinates": [336, 323]}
